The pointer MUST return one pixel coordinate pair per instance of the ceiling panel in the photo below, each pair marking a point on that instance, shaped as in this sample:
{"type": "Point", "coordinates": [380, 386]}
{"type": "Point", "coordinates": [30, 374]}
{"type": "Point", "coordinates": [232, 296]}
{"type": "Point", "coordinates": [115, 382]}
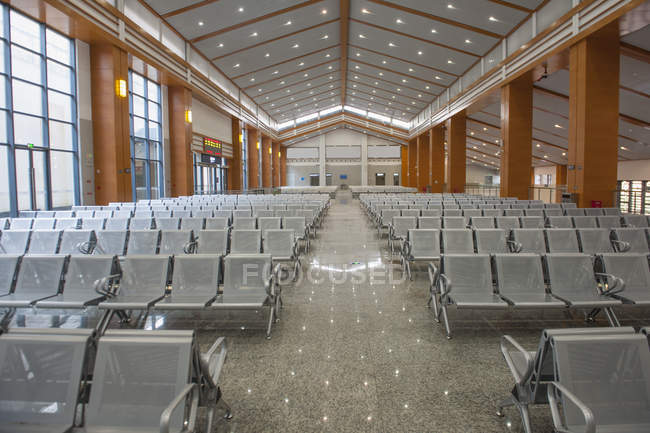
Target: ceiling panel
{"type": "Point", "coordinates": [639, 38]}
{"type": "Point", "coordinates": [258, 91]}
{"type": "Point", "coordinates": [165, 6]}
{"type": "Point", "coordinates": [304, 86]}
{"type": "Point", "coordinates": [394, 80]}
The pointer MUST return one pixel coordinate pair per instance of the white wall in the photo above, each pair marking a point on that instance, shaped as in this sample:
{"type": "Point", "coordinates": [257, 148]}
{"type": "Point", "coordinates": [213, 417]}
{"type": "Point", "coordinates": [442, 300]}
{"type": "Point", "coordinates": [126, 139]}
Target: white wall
{"type": "Point", "coordinates": [546, 171]}
{"type": "Point", "coordinates": [84, 100]}
{"type": "Point", "coordinates": [634, 170]}
{"type": "Point", "coordinates": [476, 174]}
{"type": "Point", "coordinates": [210, 122]}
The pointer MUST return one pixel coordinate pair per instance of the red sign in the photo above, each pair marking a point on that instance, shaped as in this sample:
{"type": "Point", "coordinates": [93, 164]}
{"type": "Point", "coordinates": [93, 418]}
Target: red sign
{"type": "Point", "coordinates": [211, 146]}
{"type": "Point", "coordinates": [596, 203]}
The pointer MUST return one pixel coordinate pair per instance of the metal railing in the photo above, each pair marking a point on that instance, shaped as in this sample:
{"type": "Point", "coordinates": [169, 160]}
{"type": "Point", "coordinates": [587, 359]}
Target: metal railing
{"type": "Point", "coordinates": [547, 193]}
{"type": "Point", "coordinates": [483, 190]}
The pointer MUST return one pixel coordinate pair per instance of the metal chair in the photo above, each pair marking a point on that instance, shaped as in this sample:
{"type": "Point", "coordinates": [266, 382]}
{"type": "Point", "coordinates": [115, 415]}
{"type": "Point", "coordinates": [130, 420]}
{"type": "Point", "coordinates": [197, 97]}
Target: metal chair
{"type": "Point", "coordinates": [245, 241]}
{"type": "Point", "coordinates": [562, 240]}
{"type": "Point", "coordinates": [176, 242]}
{"type": "Point", "coordinates": [143, 242]}
{"type": "Point", "coordinates": [283, 248]}
{"type": "Point", "coordinates": [110, 242]}
{"type": "Point", "coordinates": [594, 241]}
{"type": "Point", "coordinates": [421, 245]}
{"type": "Point", "coordinates": [195, 282]}
{"type": "Point", "coordinates": [212, 242]}
{"type": "Point", "coordinates": [39, 277]}
{"type": "Point", "coordinates": [491, 241]}
{"type": "Point", "coordinates": [457, 241]}
{"type": "Point", "coordinates": [527, 241]}
{"type": "Point", "coordinates": [626, 277]}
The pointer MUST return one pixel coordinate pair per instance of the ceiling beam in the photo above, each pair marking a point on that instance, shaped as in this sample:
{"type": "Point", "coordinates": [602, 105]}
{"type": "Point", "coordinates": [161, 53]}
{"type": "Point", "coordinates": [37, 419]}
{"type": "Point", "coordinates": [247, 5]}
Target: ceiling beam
{"type": "Point", "coordinates": [298, 100]}
{"type": "Point", "coordinates": [300, 93]}
{"type": "Point", "coordinates": [268, 41]}
{"type": "Point", "coordinates": [417, 38]}
{"type": "Point", "coordinates": [302, 71]}
{"type": "Point", "coordinates": [436, 18]}
{"type": "Point", "coordinates": [404, 60]}
{"type": "Point", "coordinates": [306, 80]}
{"type": "Point", "coordinates": [397, 85]}
{"type": "Point", "coordinates": [255, 20]}
{"type": "Point", "coordinates": [188, 8]}
{"type": "Point", "coordinates": [236, 77]}
{"type": "Point", "coordinates": [344, 9]}
{"type": "Point", "coordinates": [635, 52]}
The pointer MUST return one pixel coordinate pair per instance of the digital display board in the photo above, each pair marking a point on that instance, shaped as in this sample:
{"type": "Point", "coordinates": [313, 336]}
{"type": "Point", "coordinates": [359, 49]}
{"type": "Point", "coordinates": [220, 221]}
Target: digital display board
{"type": "Point", "coordinates": [211, 146]}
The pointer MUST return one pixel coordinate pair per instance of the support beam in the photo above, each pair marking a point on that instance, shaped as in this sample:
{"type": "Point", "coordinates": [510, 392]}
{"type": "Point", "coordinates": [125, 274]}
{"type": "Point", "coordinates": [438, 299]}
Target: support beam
{"type": "Point", "coordinates": [364, 159]}
{"type": "Point", "coordinates": [424, 178]}
{"type": "Point", "coordinates": [437, 139]}
{"type": "Point", "coordinates": [457, 156]}
{"type": "Point", "coordinates": [404, 157]}
{"type": "Point", "coordinates": [560, 180]}
{"type": "Point", "coordinates": [234, 164]}
{"type": "Point", "coordinates": [283, 166]}
{"type": "Point", "coordinates": [344, 10]}
{"type": "Point", "coordinates": [111, 147]}
{"type": "Point", "coordinates": [267, 148]}
{"type": "Point", "coordinates": [516, 136]}
{"type": "Point", "coordinates": [412, 163]}
{"type": "Point", "coordinates": [276, 164]}
{"type": "Point", "coordinates": [322, 160]}
{"type": "Point", "coordinates": [180, 140]}
{"type": "Point", "coordinates": [254, 143]}
{"type": "Point", "coordinates": [593, 117]}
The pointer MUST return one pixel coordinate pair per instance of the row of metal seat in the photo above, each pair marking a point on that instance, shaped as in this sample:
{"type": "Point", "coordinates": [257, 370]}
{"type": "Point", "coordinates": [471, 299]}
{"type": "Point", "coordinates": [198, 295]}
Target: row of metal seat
{"type": "Point", "coordinates": [391, 212]}
{"type": "Point", "coordinates": [524, 281]}
{"type": "Point", "coordinates": [63, 380]}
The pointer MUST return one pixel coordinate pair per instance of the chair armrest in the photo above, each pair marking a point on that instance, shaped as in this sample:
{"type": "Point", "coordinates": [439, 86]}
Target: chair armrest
{"type": "Point", "coordinates": [84, 247]}
{"type": "Point", "coordinates": [520, 377]}
{"type": "Point", "coordinates": [433, 272]}
{"type": "Point", "coordinates": [165, 417]}
{"type": "Point", "coordinates": [621, 246]}
{"type": "Point", "coordinates": [515, 246]}
{"type": "Point", "coordinates": [100, 285]}
{"type": "Point", "coordinates": [551, 391]}
{"type": "Point", "coordinates": [212, 358]}
{"type": "Point", "coordinates": [617, 286]}
{"type": "Point", "coordinates": [189, 247]}
{"type": "Point", "coordinates": [445, 283]}
{"type": "Point", "coordinates": [406, 250]}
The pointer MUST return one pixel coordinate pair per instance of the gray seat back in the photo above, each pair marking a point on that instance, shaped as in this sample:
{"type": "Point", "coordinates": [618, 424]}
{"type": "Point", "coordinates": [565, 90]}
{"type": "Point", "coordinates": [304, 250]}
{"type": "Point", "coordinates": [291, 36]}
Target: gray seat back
{"type": "Point", "coordinates": [212, 242]}
{"type": "Point", "coordinates": [513, 212]}
{"type": "Point", "coordinates": [562, 241]}
{"type": "Point", "coordinates": [196, 275]}
{"type": "Point", "coordinates": [242, 213]}
{"type": "Point", "coordinates": [454, 222]}
{"type": "Point", "coordinates": [553, 213]}
{"type": "Point", "coordinates": [630, 220]}
{"type": "Point", "coordinates": [143, 242]}
{"type": "Point", "coordinates": [246, 273]}
{"type": "Point", "coordinates": [8, 268]}
{"type": "Point", "coordinates": [181, 213]}
{"type": "Point", "coordinates": [144, 274]}
{"type": "Point", "coordinates": [492, 212]}
{"type": "Point", "coordinates": [468, 273]}
{"type": "Point", "coordinates": [216, 223]}
{"type": "Point", "coordinates": [531, 222]}
{"type": "Point", "coordinates": [144, 223]}
{"type": "Point", "coordinates": [192, 223]}
{"type": "Point", "coordinates": [21, 223]}
{"type": "Point", "coordinates": [609, 222]}
{"type": "Point", "coordinates": [609, 211]}
{"type": "Point", "coordinates": [584, 222]}
{"type": "Point", "coordinates": [91, 224]}
{"type": "Point", "coordinates": [452, 212]}
{"type": "Point", "coordinates": [507, 222]}
{"type": "Point", "coordinates": [111, 242]}
{"type": "Point", "coordinates": [85, 272]}
{"type": "Point", "coordinates": [632, 268]}
{"type": "Point", "coordinates": [429, 222]}
{"type": "Point", "coordinates": [457, 241]}
{"type": "Point", "coordinates": [108, 214]}
{"type": "Point", "coordinates": [531, 240]}
{"type": "Point", "coordinates": [40, 378]}
{"type": "Point", "coordinates": [66, 223]}
{"type": "Point", "coordinates": [201, 213]}
{"type": "Point", "coordinates": [411, 213]}
{"type": "Point", "coordinates": [245, 241]}
{"type": "Point", "coordinates": [424, 243]}
{"type": "Point", "coordinates": [44, 242]}
{"type": "Point", "coordinates": [262, 213]}
{"type": "Point", "coordinates": [137, 376]}
{"type": "Point", "coordinates": [117, 224]}
{"type": "Point", "coordinates": [491, 241]}
{"type": "Point", "coordinates": [174, 242]}
{"type": "Point", "coordinates": [431, 212]}
{"type": "Point", "coordinates": [595, 241]}
{"type": "Point", "coordinates": [574, 212]}
{"type": "Point", "coordinates": [40, 274]}
{"type": "Point", "coordinates": [472, 213]}
{"type": "Point", "coordinates": [519, 273]}
{"type": "Point", "coordinates": [637, 239]}
{"type": "Point", "coordinates": [534, 213]}
{"type": "Point", "coordinates": [73, 241]}
{"type": "Point", "coordinates": [297, 224]}
{"type": "Point", "coordinates": [244, 223]}
{"type": "Point", "coordinates": [388, 214]}
{"type": "Point", "coordinates": [269, 223]}
{"type": "Point", "coordinates": [482, 222]}
{"type": "Point", "coordinates": [14, 241]}
{"type": "Point", "coordinates": [43, 223]}
{"type": "Point", "coordinates": [402, 224]}
{"type": "Point", "coordinates": [168, 223]}
{"type": "Point", "coordinates": [593, 211]}
{"type": "Point", "coordinates": [223, 213]}
{"type": "Point", "coordinates": [572, 273]}
{"type": "Point", "coordinates": [279, 243]}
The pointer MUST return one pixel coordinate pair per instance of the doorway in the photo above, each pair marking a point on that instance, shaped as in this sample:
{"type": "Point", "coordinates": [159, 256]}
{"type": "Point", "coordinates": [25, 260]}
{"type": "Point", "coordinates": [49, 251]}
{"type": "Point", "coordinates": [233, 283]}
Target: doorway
{"type": "Point", "coordinates": [380, 178]}
{"type": "Point", "coordinates": [32, 172]}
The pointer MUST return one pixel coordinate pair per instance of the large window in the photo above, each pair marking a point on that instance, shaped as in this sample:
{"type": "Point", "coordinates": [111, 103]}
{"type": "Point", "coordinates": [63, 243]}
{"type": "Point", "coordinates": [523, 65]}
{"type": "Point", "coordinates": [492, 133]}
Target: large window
{"type": "Point", "coordinates": [633, 196]}
{"type": "Point", "coordinates": [39, 166]}
{"type": "Point", "coordinates": [146, 135]}
{"type": "Point", "coordinates": [209, 174]}
{"type": "Point", "coordinates": [244, 159]}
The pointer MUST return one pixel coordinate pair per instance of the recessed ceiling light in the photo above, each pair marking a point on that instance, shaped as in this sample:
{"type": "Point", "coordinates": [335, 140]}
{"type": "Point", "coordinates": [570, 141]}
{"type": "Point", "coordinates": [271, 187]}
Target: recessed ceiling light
{"type": "Point", "coordinates": [393, 96]}
{"type": "Point", "coordinates": [365, 11]}
{"type": "Point", "coordinates": [467, 41]}
{"type": "Point", "coordinates": [200, 23]}
{"type": "Point", "coordinates": [301, 64]}
{"type": "Point", "coordinates": [267, 55]}
{"type": "Point", "coordinates": [623, 148]}
{"type": "Point", "coordinates": [259, 90]}
{"type": "Point", "coordinates": [324, 11]}
{"type": "Point", "coordinates": [438, 78]}
{"type": "Point", "coordinates": [354, 85]}
{"type": "Point", "coordinates": [471, 132]}
{"type": "Point", "coordinates": [331, 77]}
{"type": "Point", "coordinates": [241, 9]}
{"type": "Point", "coordinates": [267, 98]}
{"type": "Point", "coordinates": [329, 67]}
{"type": "Point", "coordinates": [381, 74]}
{"type": "Point", "coordinates": [399, 90]}
{"type": "Point", "coordinates": [252, 79]}
{"type": "Point", "coordinates": [288, 23]}
{"type": "Point", "coordinates": [220, 45]}
{"type": "Point", "coordinates": [427, 87]}
{"type": "Point", "coordinates": [399, 21]}
{"type": "Point", "coordinates": [358, 54]}
{"type": "Point", "coordinates": [563, 153]}
{"type": "Point", "coordinates": [236, 65]}
{"type": "Point", "coordinates": [325, 37]}
{"type": "Point", "coordinates": [383, 62]}
{"type": "Point", "coordinates": [331, 86]}
{"type": "Point", "coordinates": [308, 84]}
{"type": "Point", "coordinates": [356, 66]}
{"type": "Point", "coordinates": [558, 126]}
{"type": "Point", "coordinates": [390, 44]}
{"type": "Point", "coordinates": [484, 129]}
{"type": "Point", "coordinates": [362, 36]}
{"type": "Point", "coordinates": [450, 6]}
{"type": "Point", "coordinates": [419, 95]}
{"type": "Point", "coordinates": [376, 83]}
{"type": "Point", "coordinates": [545, 156]}
{"type": "Point", "coordinates": [281, 82]}
{"type": "Point", "coordinates": [328, 55]}
{"type": "Point", "coordinates": [493, 19]}
{"type": "Point", "coordinates": [434, 31]}
{"type": "Point", "coordinates": [412, 102]}
{"type": "Point", "coordinates": [410, 69]}
{"type": "Point", "coordinates": [419, 53]}
{"type": "Point", "coordinates": [538, 145]}
{"type": "Point", "coordinates": [356, 77]}
{"type": "Point", "coordinates": [295, 46]}
{"type": "Point", "coordinates": [451, 62]}
{"type": "Point", "coordinates": [288, 90]}
{"type": "Point", "coordinates": [275, 72]}
{"type": "Point", "coordinates": [306, 75]}
{"type": "Point", "coordinates": [404, 81]}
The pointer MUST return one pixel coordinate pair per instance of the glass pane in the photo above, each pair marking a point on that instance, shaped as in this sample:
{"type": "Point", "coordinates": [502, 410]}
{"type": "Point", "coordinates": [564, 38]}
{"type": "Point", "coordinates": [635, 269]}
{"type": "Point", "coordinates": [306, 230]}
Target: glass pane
{"type": "Point", "coordinates": [62, 167]}
{"type": "Point", "coordinates": [4, 180]}
{"type": "Point", "coordinates": [26, 65]}
{"type": "Point", "coordinates": [3, 46]}
{"type": "Point", "coordinates": [137, 84]}
{"type": "Point", "coordinates": [59, 77]}
{"type": "Point", "coordinates": [25, 31]}
{"type": "Point", "coordinates": [40, 179]}
{"type": "Point", "coordinates": [154, 149]}
{"type": "Point", "coordinates": [154, 131]}
{"type": "Point", "coordinates": [140, 148]}
{"type": "Point", "coordinates": [23, 182]}
{"type": "Point", "coordinates": [3, 92]}
{"type": "Point", "coordinates": [3, 127]}
{"type": "Point", "coordinates": [153, 173]}
{"type": "Point", "coordinates": [28, 130]}
{"type": "Point", "coordinates": [61, 136]}
{"type": "Point", "coordinates": [139, 127]}
{"type": "Point", "coordinates": [138, 106]}
{"type": "Point", "coordinates": [58, 47]}
{"type": "Point", "coordinates": [60, 106]}
{"type": "Point", "coordinates": [154, 111]}
{"type": "Point", "coordinates": [153, 89]}
{"type": "Point", "coordinates": [139, 173]}
{"type": "Point", "coordinates": [28, 98]}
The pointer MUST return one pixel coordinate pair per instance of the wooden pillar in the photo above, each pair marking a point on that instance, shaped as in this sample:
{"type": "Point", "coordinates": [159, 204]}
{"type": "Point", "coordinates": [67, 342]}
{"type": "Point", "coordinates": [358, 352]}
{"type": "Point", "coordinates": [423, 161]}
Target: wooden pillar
{"type": "Point", "coordinates": [593, 116]}
{"type": "Point", "coordinates": [404, 157]}
{"type": "Point", "coordinates": [457, 131]}
{"type": "Point", "coordinates": [234, 164]}
{"type": "Point", "coordinates": [283, 166]}
{"type": "Point", "coordinates": [516, 136]}
{"type": "Point", "coordinates": [412, 163]}
{"type": "Point", "coordinates": [111, 144]}
{"type": "Point", "coordinates": [266, 162]}
{"type": "Point", "coordinates": [437, 139]}
{"type": "Point", "coordinates": [560, 180]}
{"type": "Point", "coordinates": [423, 162]}
{"type": "Point", "coordinates": [253, 158]}
{"type": "Point", "coordinates": [276, 164]}
{"type": "Point", "coordinates": [180, 141]}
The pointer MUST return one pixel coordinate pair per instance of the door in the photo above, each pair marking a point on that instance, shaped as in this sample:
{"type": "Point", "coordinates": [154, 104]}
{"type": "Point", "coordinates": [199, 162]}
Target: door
{"type": "Point", "coordinates": [314, 179]}
{"type": "Point", "coordinates": [31, 179]}
{"type": "Point", "coordinates": [380, 178]}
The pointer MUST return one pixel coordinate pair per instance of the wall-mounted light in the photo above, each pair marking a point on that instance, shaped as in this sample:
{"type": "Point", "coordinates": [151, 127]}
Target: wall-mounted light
{"type": "Point", "coordinates": [241, 138]}
{"type": "Point", "coordinates": [258, 144]}
{"type": "Point", "coordinates": [279, 154]}
{"type": "Point", "coordinates": [188, 116]}
{"type": "Point", "coordinates": [120, 88]}
{"type": "Point", "coordinates": [270, 150]}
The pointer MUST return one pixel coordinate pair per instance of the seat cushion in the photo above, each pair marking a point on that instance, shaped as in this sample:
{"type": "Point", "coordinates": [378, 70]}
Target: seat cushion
{"type": "Point", "coordinates": [528, 300]}
{"type": "Point", "coordinates": [18, 301]}
{"type": "Point", "coordinates": [129, 302]}
{"type": "Point", "coordinates": [70, 300]}
{"type": "Point", "coordinates": [586, 301]}
{"type": "Point", "coordinates": [478, 300]}
{"type": "Point", "coordinates": [181, 302]}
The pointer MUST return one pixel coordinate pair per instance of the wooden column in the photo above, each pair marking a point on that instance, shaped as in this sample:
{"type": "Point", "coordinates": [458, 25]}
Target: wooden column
{"type": "Point", "coordinates": [267, 148]}
{"type": "Point", "coordinates": [437, 139]}
{"type": "Point", "coordinates": [404, 157]}
{"type": "Point", "coordinates": [457, 131]}
{"type": "Point", "coordinates": [254, 141]}
{"type": "Point", "coordinates": [593, 116]}
{"type": "Point", "coordinates": [412, 163]}
{"type": "Point", "coordinates": [424, 179]}
{"type": "Point", "coordinates": [516, 136]}
{"type": "Point", "coordinates": [560, 180]}
{"type": "Point", "coordinates": [111, 146]}
{"type": "Point", "coordinates": [283, 166]}
{"type": "Point", "coordinates": [276, 164]}
{"type": "Point", "coordinates": [180, 141]}
{"type": "Point", "coordinates": [234, 164]}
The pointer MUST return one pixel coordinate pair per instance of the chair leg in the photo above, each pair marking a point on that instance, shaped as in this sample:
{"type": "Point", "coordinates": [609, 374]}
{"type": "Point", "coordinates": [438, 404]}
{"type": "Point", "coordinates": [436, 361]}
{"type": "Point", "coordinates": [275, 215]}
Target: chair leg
{"type": "Point", "coordinates": [446, 321]}
{"type": "Point", "coordinates": [228, 414]}
{"type": "Point", "coordinates": [270, 324]}
{"type": "Point", "coordinates": [611, 317]}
